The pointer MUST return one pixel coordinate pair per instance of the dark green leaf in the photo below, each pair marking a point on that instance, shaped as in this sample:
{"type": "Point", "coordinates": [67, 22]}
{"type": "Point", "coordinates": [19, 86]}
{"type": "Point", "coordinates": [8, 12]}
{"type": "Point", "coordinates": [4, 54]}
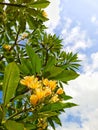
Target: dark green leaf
{"type": "Point", "coordinates": [51, 123]}
{"type": "Point", "coordinates": [57, 120]}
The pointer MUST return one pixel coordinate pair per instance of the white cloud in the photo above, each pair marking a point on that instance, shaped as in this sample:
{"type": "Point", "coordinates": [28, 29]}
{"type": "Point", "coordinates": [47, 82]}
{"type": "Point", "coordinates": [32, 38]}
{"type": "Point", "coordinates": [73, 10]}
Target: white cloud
{"type": "Point", "coordinates": [94, 57]}
{"type": "Point", "coordinates": [84, 91]}
{"type": "Point", "coordinates": [75, 38]}
{"type": "Point", "coordinates": [94, 20]}
{"type": "Point", "coordinates": [92, 67]}
{"type": "Point", "coordinates": [53, 11]}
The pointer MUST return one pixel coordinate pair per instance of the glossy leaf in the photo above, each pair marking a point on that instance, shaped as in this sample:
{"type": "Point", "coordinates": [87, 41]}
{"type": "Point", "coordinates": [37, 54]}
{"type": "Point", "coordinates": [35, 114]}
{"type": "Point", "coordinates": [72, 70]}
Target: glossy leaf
{"type": "Point", "coordinates": [11, 79]}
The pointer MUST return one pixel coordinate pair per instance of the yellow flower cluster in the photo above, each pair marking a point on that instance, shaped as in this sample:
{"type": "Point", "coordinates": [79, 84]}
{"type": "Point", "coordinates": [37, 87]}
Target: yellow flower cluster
{"type": "Point", "coordinates": [41, 89]}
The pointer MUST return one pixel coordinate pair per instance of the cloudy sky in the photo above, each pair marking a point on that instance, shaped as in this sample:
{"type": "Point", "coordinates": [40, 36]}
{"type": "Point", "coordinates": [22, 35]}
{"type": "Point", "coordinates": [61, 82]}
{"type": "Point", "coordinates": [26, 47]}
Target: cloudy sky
{"type": "Point", "coordinates": [76, 21]}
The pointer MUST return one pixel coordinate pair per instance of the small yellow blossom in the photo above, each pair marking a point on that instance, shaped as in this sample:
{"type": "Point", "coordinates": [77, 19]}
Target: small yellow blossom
{"type": "Point", "coordinates": [60, 91]}
{"type": "Point", "coordinates": [42, 123]}
{"type": "Point", "coordinates": [47, 91]}
{"type": "Point", "coordinates": [44, 14]}
{"type": "Point", "coordinates": [7, 47]}
{"type": "Point", "coordinates": [54, 98]}
{"type": "Point", "coordinates": [30, 81]}
{"type": "Point", "coordinates": [45, 82]}
{"type": "Point", "coordinates": [52, 84]}
{"type": "Point", "coordinates": [34, 99]}
{"type": "Point", "coordinates": [40, 93]}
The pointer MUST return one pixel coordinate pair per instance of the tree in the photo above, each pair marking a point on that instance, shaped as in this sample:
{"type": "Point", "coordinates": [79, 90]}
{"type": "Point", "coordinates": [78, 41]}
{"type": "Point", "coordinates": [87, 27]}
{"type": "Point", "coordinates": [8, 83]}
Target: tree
{"type": "Point", "coordinates": [33, 68]}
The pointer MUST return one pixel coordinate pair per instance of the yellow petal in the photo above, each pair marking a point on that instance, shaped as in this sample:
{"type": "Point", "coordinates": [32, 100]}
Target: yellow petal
{"type": "Point", "coordinates": [47, 91]}
{"type": "Point", "coordinates": [55, 98]}
{"type": "Point", "coordinates": [33, 99]}
{"type": "Point", "coordinates": [45, 82]}
{"type": "Point", "coordinates": [60, 91]}
{"type": "Point", "coordinates": [52, 84]}
{"type": "Point", "coordinates": [40, 93]}
{"type": "Point", "coordinates": [44, 14]}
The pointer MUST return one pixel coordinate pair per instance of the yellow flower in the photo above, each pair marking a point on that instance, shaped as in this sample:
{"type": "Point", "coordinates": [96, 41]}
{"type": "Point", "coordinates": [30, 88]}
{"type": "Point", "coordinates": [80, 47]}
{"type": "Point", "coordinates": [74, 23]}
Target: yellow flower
{"type": "Point", "coordinates": [44, 14]}
{"type": "Point", "coordinates": [60, 91]}
{"type": "Point", "coordinates": [52, 84]}
{"type": "Point", "coordinates": [40, 93]}
{"type": "Point", "coordinates": [45, 82]}
{"type": "Point", "coordinates": [7, 47]}
{"type": "Point", "coordinates": [34, 99]}
{"type": "Point", "coordinates": [54, 98]}
{"type": "Point", "coordinates": [30, 81]}
{"type": "Point", "coordinates": [47, 91]}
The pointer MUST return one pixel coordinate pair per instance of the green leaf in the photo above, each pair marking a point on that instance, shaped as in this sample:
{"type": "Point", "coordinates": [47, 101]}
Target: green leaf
{"type": "Point", "coordinates": [57, 106]}
{"type": "Point", "coordinates": [29, 126]}
{"type": "Point", "coordinates": [66, 97]}
{"type": "Point", "coordinates": [66, 75]}
{"type": "Point", "coordinates": [50, 63]}
{"type": "Point", "coordinates": [57, 120]}
{"type": "Point", "coordinates": [13, 125]}
{"type": "Point", "coordinates": [40, 4]}
{"type": "Point", "coordinates": [35, 60]}
{"type": "Point", "coordinates": [25, 66]}
{"type": "Point", "coordinates": [47, 114]}
{"type": "Point", "coordinates": [51, 123]}
{"type": "Point", "coordinates": [11, 79]}
{"type": "Point", "coordinates": [52, 72]}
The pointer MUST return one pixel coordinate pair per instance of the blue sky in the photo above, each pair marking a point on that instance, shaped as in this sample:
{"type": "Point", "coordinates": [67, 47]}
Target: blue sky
{"type": "Point", "coordinates": [76, 21]}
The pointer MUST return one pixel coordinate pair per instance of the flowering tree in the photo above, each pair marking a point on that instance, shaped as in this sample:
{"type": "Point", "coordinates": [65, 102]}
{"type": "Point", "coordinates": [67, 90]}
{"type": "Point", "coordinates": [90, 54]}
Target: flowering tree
{"type": "Point", "coordinates": [33, 68]}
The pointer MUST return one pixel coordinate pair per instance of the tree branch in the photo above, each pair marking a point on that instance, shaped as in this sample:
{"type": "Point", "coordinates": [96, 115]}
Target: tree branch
{"type": "Point", "coordinates": [18, 113]}
{"type": "Point", "coordinates": [15, 5]}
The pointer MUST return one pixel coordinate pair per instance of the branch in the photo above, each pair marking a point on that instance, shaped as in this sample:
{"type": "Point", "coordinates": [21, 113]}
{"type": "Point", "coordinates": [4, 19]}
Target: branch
{"type": "Point", "coordinates": [18, 113]}
{"type": "Point", "coordinates": [15, 5]}
{"type": "Point", "coordinates": [15, 43]}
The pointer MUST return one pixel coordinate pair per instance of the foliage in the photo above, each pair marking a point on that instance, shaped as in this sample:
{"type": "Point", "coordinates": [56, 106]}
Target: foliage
{"type": "Point", "coordinates": [33, 68]}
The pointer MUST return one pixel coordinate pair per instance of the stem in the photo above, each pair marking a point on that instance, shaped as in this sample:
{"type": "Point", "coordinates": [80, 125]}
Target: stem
{"type": "Point", "coordinates": [15, 5]}
{"type": "Point", "coordinates": [46, 58]}
{"type": "Point", "coordinates": [18, 113]}
{"type": "Point", "coordinates": [15, 43]}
